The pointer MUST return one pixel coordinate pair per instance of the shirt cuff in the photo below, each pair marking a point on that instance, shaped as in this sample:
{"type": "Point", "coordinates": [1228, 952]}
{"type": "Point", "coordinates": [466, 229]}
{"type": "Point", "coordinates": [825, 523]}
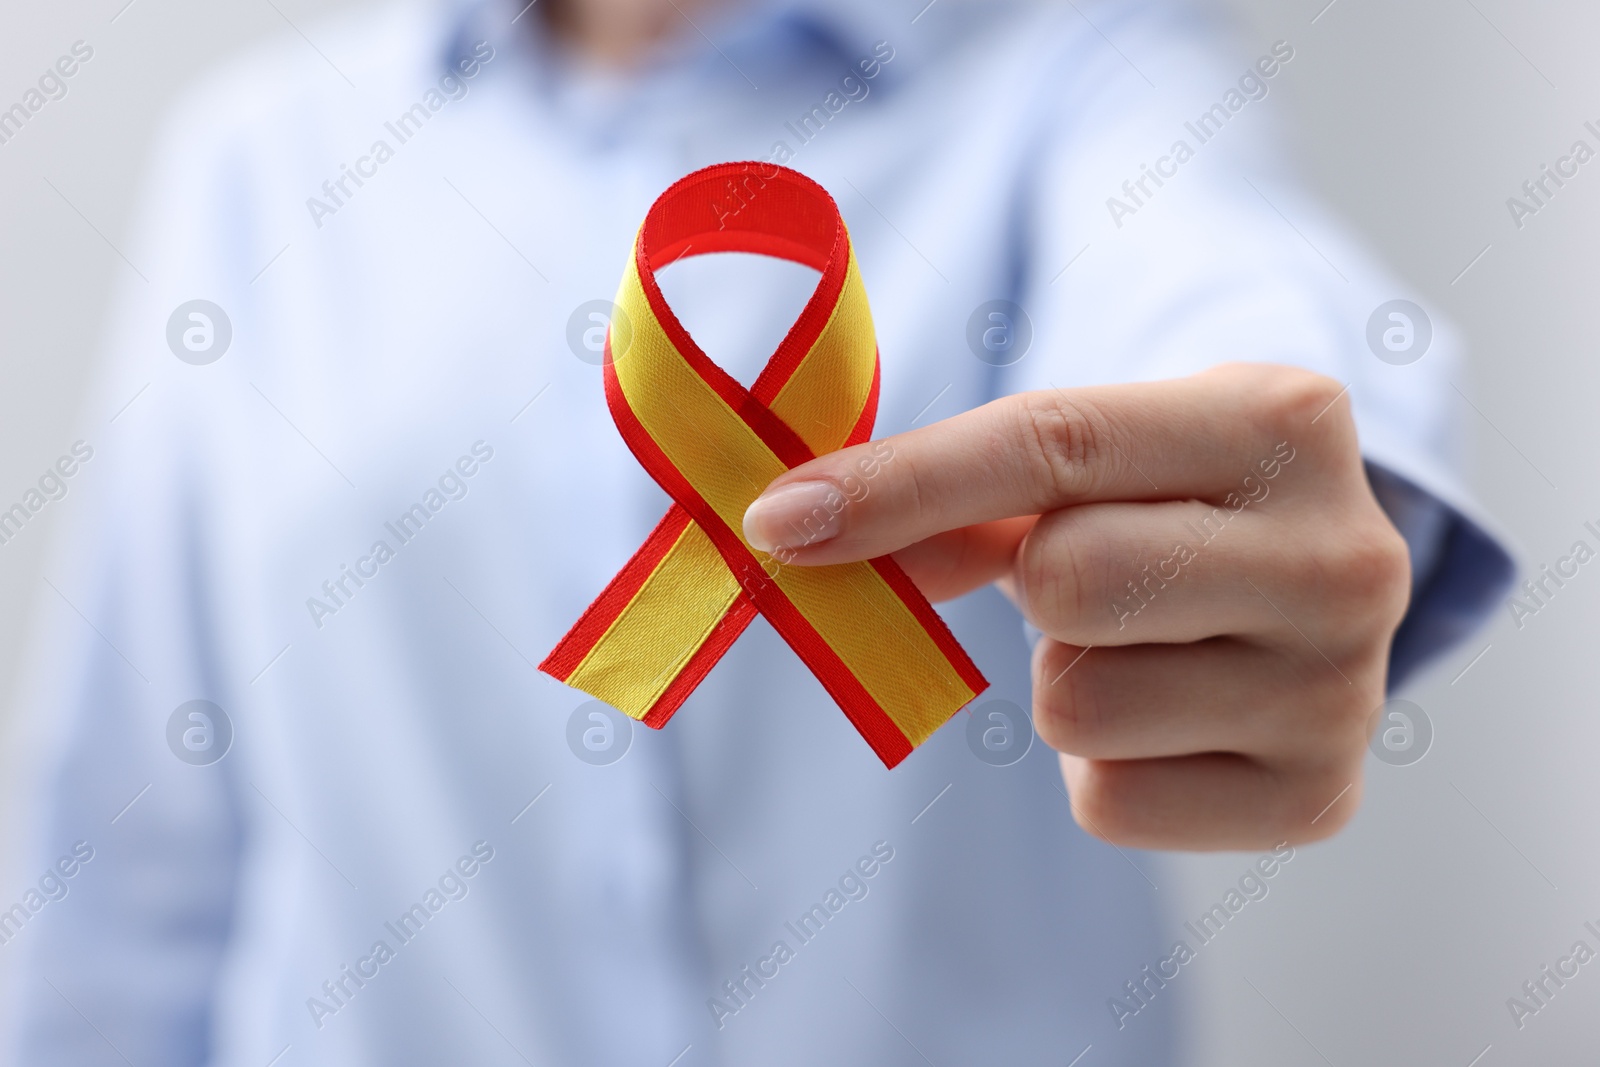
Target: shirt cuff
{"type": "Point", "coordinates": [1459, 571]}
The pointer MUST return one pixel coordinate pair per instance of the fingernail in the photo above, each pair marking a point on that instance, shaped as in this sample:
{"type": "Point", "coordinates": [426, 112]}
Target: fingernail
{"type": "Point", "coordinates": [793, 516]}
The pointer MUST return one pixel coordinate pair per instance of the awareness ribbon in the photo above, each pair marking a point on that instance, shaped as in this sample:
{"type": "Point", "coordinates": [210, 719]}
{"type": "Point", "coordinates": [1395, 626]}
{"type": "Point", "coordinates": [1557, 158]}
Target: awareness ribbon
{"type": "Point", "coordinates": [865, 631]}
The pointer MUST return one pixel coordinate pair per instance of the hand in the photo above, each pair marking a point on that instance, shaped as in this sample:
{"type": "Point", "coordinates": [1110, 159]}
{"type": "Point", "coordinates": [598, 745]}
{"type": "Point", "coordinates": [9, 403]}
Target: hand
{"type": "Point", "coordinates": [1217, 585]}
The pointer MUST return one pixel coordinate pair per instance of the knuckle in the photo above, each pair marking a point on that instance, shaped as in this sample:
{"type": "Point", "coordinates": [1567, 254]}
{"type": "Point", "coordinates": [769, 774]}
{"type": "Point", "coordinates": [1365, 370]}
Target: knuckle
{"type": "Point", "coordinates": [1067, 706]}
{"type": "Point", "coordinates": [1291, 397]}
{"type": "Point", "coordinates": [1098, 808]}
{"type": "Point", "coordinates": [1390, 567]}
{"type": "Point", "coordinates": [1369, 575]}
{"type": "Point", "coordinates": [1333, 717]}
{"type": "Point", "coordinates": [1306, 394]}
{"type": "Point", "coordinates": [1064, 440]}
{"type": "Point", "coordinates": [1357, 575]}
{"type": "Point", "coordinates": [1054, 572]}
{"type": "Point", "coordinates": [1320, 804]}
{"type": "Point", "coordinates": [1039, 582]}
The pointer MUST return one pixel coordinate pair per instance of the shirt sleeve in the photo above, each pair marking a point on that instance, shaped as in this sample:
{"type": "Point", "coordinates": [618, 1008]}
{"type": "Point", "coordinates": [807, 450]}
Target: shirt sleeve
{"type": "Point", "coordinates": [121, 966]}
{"type": "Point", "coordinates": [1126, 276]}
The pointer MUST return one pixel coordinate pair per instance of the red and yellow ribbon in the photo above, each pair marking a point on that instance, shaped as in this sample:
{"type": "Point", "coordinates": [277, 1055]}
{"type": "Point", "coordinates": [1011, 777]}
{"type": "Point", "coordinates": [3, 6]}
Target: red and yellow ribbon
{"type": "Point", "coordinates": [662, 623]}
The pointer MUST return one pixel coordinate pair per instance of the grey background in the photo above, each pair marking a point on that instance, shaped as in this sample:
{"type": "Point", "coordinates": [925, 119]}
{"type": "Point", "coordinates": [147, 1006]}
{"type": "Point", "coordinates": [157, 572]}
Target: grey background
{"type": "Point", "coordinates": [1396, 943]}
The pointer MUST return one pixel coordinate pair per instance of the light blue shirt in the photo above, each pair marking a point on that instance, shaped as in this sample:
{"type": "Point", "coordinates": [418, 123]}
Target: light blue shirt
{"type": "Point", "coordinates": [403, 857]}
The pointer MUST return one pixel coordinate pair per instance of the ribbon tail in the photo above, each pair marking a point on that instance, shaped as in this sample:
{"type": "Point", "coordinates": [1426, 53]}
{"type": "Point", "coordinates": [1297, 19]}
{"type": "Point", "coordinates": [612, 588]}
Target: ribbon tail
{"type": "Point", "coordinates": [658, 627]}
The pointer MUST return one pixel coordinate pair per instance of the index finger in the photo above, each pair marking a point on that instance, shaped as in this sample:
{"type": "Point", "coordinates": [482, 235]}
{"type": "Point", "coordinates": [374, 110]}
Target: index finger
{"type": "Point", "coordinates": [1187, 438]}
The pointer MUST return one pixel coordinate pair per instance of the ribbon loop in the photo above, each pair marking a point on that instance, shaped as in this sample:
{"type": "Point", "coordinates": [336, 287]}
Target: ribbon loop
{"type": "Point", "coordinates": [863, 628]}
